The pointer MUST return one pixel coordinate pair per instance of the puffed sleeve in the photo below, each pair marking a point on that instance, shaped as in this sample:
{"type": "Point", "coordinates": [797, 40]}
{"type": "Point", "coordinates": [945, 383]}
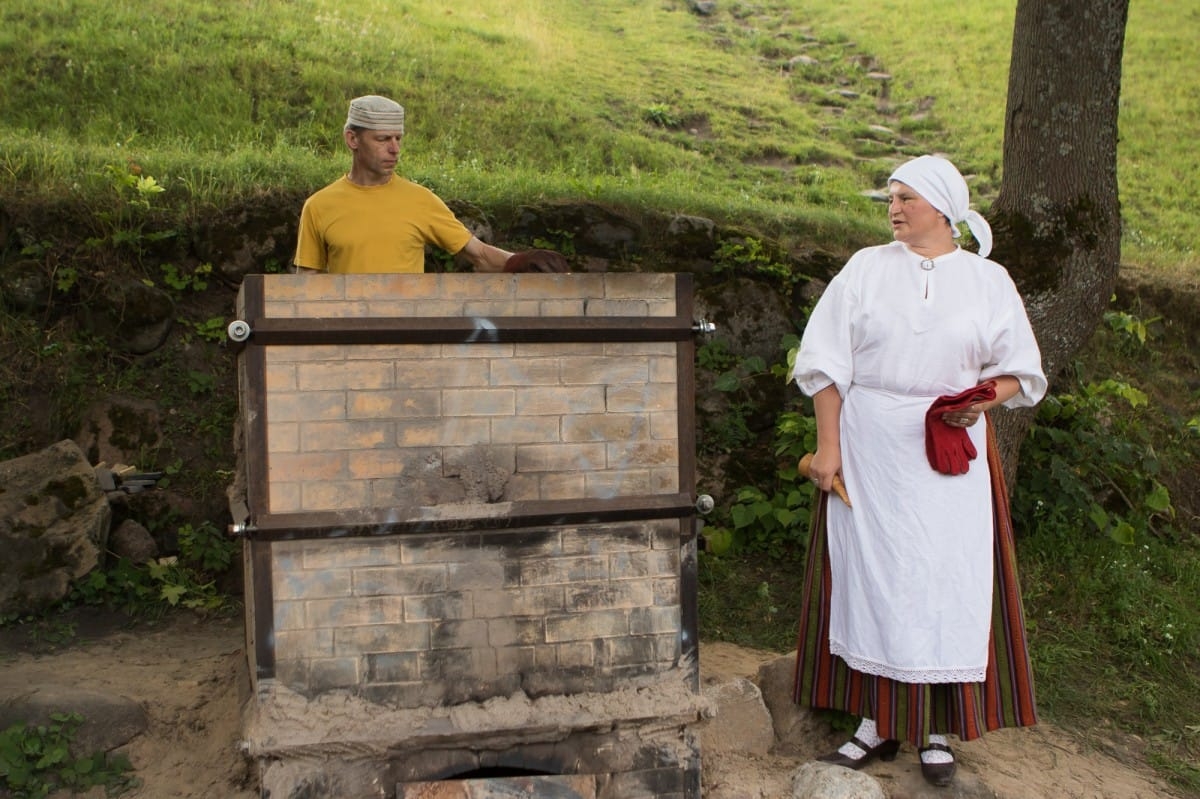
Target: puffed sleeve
{"type": "Point", "coordinates": [1014, 349]}
{"type": "Point", "coordinates": [826, 355]}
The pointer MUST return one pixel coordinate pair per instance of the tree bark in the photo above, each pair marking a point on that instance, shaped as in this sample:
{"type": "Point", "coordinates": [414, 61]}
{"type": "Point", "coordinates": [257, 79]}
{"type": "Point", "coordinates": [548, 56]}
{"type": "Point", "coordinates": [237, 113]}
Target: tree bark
{"type": "Point", "coordinates": [1057, 219]}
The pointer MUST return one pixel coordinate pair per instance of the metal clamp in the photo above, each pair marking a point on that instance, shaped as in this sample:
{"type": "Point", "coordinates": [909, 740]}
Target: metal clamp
{"type": "Point", "coordinates": [704, 327]}
{"type": "Point", "coordinates": [705, 504]}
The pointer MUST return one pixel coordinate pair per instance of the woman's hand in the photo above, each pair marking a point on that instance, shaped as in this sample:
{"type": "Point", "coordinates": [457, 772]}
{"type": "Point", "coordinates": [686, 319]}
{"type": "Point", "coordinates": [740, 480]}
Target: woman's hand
{"type": "Point", "coordinates": [1007, 386]}
{"type": "Point", "coordinates": [826, 464]}
{"type": "Point", "coordinates": [963, 418]}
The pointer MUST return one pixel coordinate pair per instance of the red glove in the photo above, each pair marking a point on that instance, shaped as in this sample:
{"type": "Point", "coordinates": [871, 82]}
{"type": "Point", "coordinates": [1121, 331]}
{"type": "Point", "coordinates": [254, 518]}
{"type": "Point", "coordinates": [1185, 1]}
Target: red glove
{"type": "Point", "coordinates": [949, 449]}
{"type": "Point", "coordinates": [536, 261]}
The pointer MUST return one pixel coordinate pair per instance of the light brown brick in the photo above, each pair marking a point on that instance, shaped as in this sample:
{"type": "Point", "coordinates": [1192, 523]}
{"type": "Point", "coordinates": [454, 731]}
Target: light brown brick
{"type": "Point", "coordinates": [311, 585]}
{"type": "Point", "coordinates": [506, 307]}
{"type": "Point", "coordinates": [446, 605]}
{"type": "Point", "coordinates": [587, 626]}
{"type": "Point", "coordinates": [617, 483]}
{"type": "Point", "coordinates": [538, 400]}
{"type": "Point", "coordinates": [576, 654]}
{"type": "Point", "coordinates": [396, 580]}
{"type": "Point", "coordinates": [605, 427]}
{"type": "Point", "coordinates": [606, 371]}
{"type": "Point", "coordinates": [356, 611]}
{"type": "Point", "coordinates": [632, 454]}
{"type": "Point", "coordinates": [516, 631]}
{"type": "Point", "coordinates": [303, 644]}
{"type": "Point", "coordinates": [406, 637]}
{"type": "Point", "coordinates": [283, 437]}
{"type": "Point", "coordinates": [396, 286]}
{"type": "Point", "coordinates": [334, 495]}
{"type": "Point", "coordinates": [479, 402]}
{"type": "Point", "coordinates": [560, 457]}
{"type": "Point", "coordinates": [524, 429]}
{"type": "Point", "coordinates": [654, 621]}
{"type": "Point", "coordinates": [645, 563]}
{"type": "Point", "coordinates": [279, 377]}
{"type": "Point", "coordinates": [613, 594]}
{"type": "Point", "coordinates": [349, 553]}
{"type": "Point", "coordinates": [564, 570]}
{"type": "Point", "coordinates": [332, 436]}
{"type": "Point", "coordinates": [331, 310]}
{"type": "Point", "coordinates": [395, 404]}
{"type": "Point", "coordinates": [653, 397]}
{"type": "Point", "coordinates": [517, 371]}
{"type": "Point", "coordinates": [518, 602]}
{"type": "Point", "coordinates": [343, 375]}
{"type": "Point", "coordinates": [307, 467]}
{"type": "Point", "coordinates": [283, 497]}
{"type": "Point", "coordinates": [556, 486]}
{"type": "Point", "coordinates": [459, 634]}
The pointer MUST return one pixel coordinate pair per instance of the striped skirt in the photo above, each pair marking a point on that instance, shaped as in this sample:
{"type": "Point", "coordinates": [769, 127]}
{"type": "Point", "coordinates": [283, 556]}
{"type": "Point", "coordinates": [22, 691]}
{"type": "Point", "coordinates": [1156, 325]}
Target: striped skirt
{"type": "Point", "coordinates": [912, 711]}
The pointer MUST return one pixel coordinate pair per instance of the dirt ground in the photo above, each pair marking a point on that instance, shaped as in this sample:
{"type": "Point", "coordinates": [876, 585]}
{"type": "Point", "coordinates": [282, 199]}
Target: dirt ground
{"type": "Point", "coordinates": [190, 676]}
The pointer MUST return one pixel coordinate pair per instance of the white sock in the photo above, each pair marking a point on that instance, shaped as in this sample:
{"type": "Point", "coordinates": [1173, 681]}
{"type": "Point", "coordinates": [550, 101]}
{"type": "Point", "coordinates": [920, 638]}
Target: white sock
{"type": "Point", "coordinates": [868, 734]}
{"type": "Point", "coordinates": [932, 756]}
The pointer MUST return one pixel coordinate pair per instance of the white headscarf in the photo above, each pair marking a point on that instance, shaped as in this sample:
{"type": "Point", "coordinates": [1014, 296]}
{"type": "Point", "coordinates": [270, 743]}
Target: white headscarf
{"type": "Point", "coordinates": [941, 184]}
{"type": "Point", "coordinates": [375, 113]}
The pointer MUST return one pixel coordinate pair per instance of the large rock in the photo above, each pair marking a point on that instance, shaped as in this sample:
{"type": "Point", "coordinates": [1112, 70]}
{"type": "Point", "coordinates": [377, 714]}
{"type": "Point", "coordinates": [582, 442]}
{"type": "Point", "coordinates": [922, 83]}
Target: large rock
{"type": "Point", "coordinates": [742, 723]}
{"type": "Point", "coordinates": [118, 430]}
{"type": "Point", "coordinates": [130, 315]}
{"type": "Point", "coordinates": [593, 229]}
{"type": "Point", "coordinates": [826, 781]}
{"type": "Point", "coordinates": [54, 523]}
{"type": "Point", "coordinates": [107, 721]}
{"type": "Point", "coordinates": [799, 732]}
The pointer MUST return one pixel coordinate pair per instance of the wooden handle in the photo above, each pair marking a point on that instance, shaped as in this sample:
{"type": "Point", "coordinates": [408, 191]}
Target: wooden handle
{"type": "Point", "coordinates": [839, 487]}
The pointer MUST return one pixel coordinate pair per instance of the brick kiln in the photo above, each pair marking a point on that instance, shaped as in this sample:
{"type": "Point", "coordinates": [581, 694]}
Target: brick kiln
{"type": "Point", "coordinates": [469, 511]}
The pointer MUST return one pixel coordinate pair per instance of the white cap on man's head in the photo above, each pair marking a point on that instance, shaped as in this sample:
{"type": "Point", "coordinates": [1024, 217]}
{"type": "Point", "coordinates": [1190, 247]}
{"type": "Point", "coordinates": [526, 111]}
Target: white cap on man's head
{"type": "Point", "coordinates": [375, 113]}
{"type": "Point", "coordinates": [943, 186]}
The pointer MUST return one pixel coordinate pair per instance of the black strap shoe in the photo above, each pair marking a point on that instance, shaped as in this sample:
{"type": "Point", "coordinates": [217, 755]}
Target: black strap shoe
{"type": "Point", "coordinates": [886, 750]}
{"type": "Point", "coordinates": [939, 774]}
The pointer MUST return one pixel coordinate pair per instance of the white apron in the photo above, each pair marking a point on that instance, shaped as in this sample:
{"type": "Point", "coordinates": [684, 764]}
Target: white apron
{"type": "Point", "coordinates": [912, 561]}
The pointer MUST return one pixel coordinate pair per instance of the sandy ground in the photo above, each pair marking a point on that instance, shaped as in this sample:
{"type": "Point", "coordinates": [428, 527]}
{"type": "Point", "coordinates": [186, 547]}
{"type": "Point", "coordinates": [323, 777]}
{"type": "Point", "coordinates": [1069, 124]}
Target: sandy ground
{"type": "Point", "coordinates": [190, 677]}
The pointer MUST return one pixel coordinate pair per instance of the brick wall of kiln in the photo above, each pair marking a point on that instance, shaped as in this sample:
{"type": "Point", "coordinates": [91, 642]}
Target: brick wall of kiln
{"type": "Point", "coordinates": [424, 620]}
{"type": "Point", "coordinates": [433, 618]}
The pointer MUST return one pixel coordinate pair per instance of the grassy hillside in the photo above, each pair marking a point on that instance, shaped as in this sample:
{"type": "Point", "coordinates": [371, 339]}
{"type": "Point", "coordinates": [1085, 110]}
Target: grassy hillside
{"type": "Point", "coordinates": [636, 103]}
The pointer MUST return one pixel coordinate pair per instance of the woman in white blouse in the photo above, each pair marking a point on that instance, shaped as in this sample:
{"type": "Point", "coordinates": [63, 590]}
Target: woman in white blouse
{"type": "Point", "coordinates": [912, 615]}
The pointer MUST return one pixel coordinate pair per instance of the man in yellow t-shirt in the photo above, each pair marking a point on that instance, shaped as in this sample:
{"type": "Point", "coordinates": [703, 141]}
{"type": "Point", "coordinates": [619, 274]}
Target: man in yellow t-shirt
{"type": "Point", "coordinates": [373, 221]}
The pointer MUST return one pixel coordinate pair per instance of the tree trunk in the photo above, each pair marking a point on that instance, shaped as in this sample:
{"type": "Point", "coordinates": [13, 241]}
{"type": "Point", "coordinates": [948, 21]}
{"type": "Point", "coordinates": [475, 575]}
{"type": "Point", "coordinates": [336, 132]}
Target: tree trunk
{"type": "Point", "coordinates": [1057, 219]}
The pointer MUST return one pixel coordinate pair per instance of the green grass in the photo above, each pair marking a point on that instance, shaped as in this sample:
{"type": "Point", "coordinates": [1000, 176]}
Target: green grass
{"type": "Point", "coordinates": [642, 105]}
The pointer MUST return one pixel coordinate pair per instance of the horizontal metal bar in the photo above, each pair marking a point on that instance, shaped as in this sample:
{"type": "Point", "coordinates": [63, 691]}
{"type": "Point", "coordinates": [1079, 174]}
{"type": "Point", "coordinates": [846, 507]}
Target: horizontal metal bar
{"type": "Point", "coordinates": [452, 518]}
{"type": "Point", "coordinates": [461, 330]}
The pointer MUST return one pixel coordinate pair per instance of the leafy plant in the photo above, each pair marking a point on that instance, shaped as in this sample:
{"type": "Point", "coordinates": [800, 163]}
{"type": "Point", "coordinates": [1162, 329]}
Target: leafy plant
{"type": "Point", "coordinates": [181, 281]}
{"type": "Point", "coordinates": [660, 114]}
{"type": "Point", "coordinates": [125, 224]}
{"type": "Point", "coordinates": [187, 580]}
{"type": "Point", "coordinates": [562, 241]}
{"type": "Point", "coordinates": [772, 519]}
{"type": "Point", "coordinates": [211, 329]}
{"type": "Point", "coordinates": [207, 546]}
{"type": "Point", "coordinates": [1090, 463]}
{"type": "Point", "coordinates": [36, 760]}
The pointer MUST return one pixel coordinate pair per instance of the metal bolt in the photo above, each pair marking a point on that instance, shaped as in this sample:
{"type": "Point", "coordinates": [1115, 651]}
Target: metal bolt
{"type": "Point", "coordinates": [238, 330]}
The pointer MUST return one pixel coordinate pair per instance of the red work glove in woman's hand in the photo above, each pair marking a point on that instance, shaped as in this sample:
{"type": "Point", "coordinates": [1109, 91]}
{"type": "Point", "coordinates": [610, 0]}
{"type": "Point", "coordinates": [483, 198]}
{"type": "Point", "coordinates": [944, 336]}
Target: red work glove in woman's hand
{"type": "Point", "coordinates": [536, 261]}
{"type": "Point", "coordinates": [949, 449]}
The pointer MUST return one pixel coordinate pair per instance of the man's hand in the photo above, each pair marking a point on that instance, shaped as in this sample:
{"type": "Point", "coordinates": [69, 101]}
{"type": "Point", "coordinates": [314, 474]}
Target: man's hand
{"type": "Point", "coordinates": [536, 261]}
